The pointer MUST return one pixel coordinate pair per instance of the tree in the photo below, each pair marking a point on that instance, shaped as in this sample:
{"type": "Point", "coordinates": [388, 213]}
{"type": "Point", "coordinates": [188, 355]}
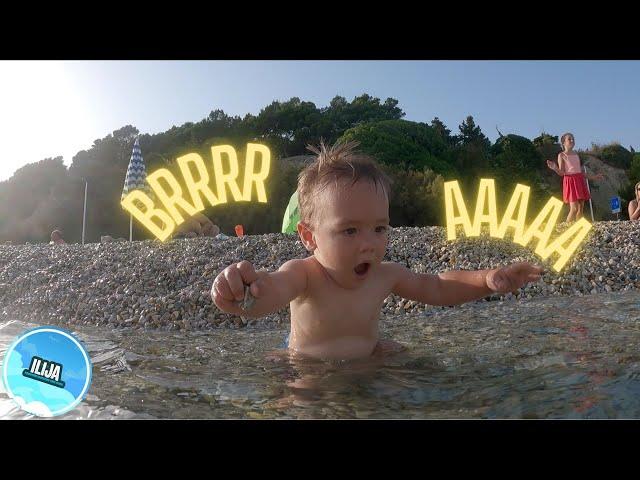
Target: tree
{"type": "Point", "coordinates": [403, 143]}
{"type": "Point", "coordinates": [515, 159]}
{"type": "Point", "coordinates": [617, 156]}
{"type": "Point", "coordinates": [32, 201]}
{"type": "Point", "coordinates": [471, 151]}
{"type": "Point", "coordinates": [470, 134]}
{"type": "Point", "coordinates": [545, 139]}
{"type": "Point", "coordinates": [443, 132]}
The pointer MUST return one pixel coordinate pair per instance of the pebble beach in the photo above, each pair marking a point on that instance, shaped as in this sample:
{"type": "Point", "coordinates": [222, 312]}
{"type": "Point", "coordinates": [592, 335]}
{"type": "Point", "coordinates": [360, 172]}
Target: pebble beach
{"type": "Point", "coordinates": [148, 284]}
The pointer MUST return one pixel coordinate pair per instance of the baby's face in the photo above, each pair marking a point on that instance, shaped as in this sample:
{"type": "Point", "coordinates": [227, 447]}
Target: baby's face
{"type": "Point", "coordinates": [352, 231]}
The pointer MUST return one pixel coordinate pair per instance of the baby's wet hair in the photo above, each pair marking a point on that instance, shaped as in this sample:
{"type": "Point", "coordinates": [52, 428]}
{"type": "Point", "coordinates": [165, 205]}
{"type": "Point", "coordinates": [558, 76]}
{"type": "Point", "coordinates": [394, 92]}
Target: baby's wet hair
{"type": "Point", "coordinates": [333, 163]}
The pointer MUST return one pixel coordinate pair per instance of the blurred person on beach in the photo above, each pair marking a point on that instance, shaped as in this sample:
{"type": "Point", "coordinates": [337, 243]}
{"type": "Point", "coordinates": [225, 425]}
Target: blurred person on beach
{"type": "Point", "coordinates": [634, 205]}
{"type": "Point", "coordinates": [56, 238]}
{"type": "Point", "coordinates": [197, 225]}
{"type": "Point", "coordinates": [574, 184]}
{"type": "Point", "coordinates": [336, 294]}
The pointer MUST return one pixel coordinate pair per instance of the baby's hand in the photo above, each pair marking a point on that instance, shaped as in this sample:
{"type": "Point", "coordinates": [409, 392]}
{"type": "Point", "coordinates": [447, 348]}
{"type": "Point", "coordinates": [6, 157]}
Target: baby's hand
{"type": "Point", "coordinates": [511, 278]}
{"type": "Point", "coordinates": [228, 287]}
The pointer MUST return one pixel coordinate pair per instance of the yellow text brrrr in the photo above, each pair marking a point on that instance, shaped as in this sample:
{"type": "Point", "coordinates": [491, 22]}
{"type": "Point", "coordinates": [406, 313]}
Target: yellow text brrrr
{"type": "Point", "coordinates": [162, 223]}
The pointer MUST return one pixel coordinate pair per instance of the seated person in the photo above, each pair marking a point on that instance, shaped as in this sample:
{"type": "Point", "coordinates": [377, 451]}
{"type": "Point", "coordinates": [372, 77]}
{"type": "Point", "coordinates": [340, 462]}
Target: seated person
{"type": "Point", "coordinates": [56, 238]}
{"type": "Point", "coordinates": [197, 225]}
{"type": "Point", "coordinates": [634, 205]}
{"type": "Point", "coordinates": [208, 228]}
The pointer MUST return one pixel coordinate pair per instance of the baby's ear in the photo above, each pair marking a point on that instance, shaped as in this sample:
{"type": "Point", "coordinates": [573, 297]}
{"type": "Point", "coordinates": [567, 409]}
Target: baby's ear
{"type": "Point", "coordinates": [306, 236]}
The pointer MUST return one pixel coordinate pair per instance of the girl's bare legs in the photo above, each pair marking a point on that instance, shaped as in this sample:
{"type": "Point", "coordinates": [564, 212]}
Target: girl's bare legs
{"type": "Point", "coordinates": [580, 209]}
{"type": "Point", "coordinates": [573, 210]}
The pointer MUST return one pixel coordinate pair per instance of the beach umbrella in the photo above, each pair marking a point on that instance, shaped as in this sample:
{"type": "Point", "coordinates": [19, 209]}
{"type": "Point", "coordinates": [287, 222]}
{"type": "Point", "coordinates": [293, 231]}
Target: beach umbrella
{"type": "Point", "coordinates": [136, 179]}
{"type": "Point", "coordinates": [291, 215]}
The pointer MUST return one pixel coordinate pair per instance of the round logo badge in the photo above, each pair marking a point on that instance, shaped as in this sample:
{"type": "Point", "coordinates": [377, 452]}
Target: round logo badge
{"type": "Point", "coordinates": [46, 371]}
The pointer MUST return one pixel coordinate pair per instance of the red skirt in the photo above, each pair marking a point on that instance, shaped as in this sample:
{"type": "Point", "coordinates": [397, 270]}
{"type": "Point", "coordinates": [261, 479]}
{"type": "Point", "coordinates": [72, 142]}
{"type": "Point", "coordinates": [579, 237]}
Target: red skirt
{"type": "Point", "coordinates": [574, 188]}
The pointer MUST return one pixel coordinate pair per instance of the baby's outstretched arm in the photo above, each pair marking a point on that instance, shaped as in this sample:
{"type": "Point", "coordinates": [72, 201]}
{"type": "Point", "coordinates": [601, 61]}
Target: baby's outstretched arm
{"type": "Point", "coordinates": [272, 291]}
{"type": "Point", "coordinates": [459, 286]}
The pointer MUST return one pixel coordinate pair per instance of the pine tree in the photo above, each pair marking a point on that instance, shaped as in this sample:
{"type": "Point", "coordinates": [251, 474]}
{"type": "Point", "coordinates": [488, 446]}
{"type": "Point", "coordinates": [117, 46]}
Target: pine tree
{"type": "Point", "coordinates": [472, 134]}
{"type": "Point", "coordinates": [442, 130]}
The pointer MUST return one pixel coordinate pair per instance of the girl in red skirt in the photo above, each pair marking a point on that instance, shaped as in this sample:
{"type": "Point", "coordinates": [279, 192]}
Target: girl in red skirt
{"type": "Point", "coordinates": [574, 183]}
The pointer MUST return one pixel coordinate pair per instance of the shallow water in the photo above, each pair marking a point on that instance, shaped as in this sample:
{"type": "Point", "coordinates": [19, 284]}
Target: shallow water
{"type": "Point", "coordinates": [558, 357]}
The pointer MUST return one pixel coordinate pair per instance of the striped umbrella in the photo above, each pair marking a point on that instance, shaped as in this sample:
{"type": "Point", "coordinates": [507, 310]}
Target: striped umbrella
{"type": "Point", "coordinates": [136, 179]}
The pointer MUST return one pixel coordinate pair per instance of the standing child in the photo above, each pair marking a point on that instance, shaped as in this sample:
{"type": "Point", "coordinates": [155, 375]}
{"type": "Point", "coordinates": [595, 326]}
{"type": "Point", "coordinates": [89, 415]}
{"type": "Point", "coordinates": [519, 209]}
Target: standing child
{"type": "Point", "coordinates": [574, 183]}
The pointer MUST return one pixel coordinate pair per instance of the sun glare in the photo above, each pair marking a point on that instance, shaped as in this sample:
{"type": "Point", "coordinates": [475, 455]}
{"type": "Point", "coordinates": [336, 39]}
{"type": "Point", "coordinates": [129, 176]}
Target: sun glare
{"type": "Point", "coordinates": [41, 112]}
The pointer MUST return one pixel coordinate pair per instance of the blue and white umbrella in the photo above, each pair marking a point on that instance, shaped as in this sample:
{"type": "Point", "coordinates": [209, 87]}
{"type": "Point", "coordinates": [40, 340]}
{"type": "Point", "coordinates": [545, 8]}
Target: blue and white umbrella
{"type": "Point", "coordinates": [136, 179]}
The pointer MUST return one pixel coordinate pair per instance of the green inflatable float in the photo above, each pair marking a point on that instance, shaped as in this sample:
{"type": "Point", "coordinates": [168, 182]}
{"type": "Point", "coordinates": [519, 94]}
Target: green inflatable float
{"type": "Point", "coordinates": [291, 215]}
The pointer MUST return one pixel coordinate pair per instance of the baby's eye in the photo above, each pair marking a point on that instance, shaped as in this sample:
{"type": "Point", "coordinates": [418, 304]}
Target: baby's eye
{"type": "Point", "coordinates": [381, 229]}
{"type": "Point", "coordinates": [350, 231]}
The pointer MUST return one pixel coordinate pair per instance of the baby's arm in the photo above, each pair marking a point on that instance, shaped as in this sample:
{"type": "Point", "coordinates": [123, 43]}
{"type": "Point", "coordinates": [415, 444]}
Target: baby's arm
{"type": "Point", "coordinates": [460, 286]}
{"type": "Point", "coordinates": [272, 291]}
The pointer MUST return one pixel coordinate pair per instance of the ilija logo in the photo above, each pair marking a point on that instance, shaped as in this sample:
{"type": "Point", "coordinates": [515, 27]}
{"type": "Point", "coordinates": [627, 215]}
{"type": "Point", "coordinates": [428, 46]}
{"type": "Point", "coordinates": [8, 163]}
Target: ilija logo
{"type": "Point", "coordinates": [45, 371]}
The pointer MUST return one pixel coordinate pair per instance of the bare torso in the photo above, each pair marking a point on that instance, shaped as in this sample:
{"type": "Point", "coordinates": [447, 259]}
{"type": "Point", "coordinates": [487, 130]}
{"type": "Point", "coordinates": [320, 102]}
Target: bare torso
{"type": "Point", "coordinates": [331, 322]}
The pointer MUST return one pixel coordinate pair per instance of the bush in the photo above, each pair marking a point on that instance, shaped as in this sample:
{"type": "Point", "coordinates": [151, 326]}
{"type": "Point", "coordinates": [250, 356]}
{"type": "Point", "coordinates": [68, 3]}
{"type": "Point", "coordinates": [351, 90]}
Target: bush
{"type": "Point", "coordinates": [417, 197]}
{"type": "Point", "coordinates": [404, 143]}
{"type": "Point", "coordinates": [616, 156]}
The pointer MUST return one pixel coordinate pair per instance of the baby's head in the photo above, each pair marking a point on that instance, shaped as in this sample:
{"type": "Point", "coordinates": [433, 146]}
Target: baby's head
{"type": "Point", "coordinates": [343, 197]}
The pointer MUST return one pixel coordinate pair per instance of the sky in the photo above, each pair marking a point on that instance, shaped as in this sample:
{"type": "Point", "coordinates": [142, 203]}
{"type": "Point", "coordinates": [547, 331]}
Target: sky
{"type": "Point", "coordinates": [57, 108]}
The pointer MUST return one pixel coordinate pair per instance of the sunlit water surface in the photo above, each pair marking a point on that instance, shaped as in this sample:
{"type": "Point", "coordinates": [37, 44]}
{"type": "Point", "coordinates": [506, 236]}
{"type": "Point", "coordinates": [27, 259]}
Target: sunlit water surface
{"type": "Point", "coordinates": [558, 357]}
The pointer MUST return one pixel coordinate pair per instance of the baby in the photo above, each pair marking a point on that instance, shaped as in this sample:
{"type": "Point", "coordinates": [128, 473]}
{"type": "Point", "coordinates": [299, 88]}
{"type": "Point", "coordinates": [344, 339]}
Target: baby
{"type": "Point", "coordinates": [337, 293]}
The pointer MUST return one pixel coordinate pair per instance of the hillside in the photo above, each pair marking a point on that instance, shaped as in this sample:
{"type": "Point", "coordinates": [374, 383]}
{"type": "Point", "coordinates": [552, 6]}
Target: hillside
{"type": "Point", "coordinates": [614, 179]}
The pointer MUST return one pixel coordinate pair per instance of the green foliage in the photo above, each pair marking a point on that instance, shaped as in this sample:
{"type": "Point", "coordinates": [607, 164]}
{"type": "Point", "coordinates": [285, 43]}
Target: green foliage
{"type": "Point", "coordinates": [471, 152]}
{"type": "Point", "coordinates": [290, 126]}
{"type": "Point", "coordinates": [616, 155]}
{"type": "Point", "coordinates": [471, 134]}
{"type": "Point", "coordinates": [403, 143]}
{"type": "Point", "coordinates": [443, 132]}
{"type": "Point", "coordinates": [547, 146]}
{"type": "Point", "coordinates": [546, 139]}
{"type": "Point", "coordinates": [37, 199]}
{"type": "Point", "coordinates": [516, 153]}
{"type": "Point", "coordinates": [634, 171]}
{"type": "Point", "coordinates": [418, 157]}
{"type": "Point", "coordinates": [515, 159]}
{"type": "Point", "coordinates": [416, 197]}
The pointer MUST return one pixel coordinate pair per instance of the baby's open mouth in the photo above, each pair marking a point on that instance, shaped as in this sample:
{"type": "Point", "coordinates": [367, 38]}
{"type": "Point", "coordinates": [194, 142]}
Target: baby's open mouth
{"type": "Point", "coordinates": [362, 268]}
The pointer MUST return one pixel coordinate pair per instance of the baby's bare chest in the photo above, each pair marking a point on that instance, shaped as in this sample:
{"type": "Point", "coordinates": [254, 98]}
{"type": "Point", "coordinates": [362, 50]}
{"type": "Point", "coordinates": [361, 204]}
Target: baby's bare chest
{"type": "Point", "coordinates": [347, 312]}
